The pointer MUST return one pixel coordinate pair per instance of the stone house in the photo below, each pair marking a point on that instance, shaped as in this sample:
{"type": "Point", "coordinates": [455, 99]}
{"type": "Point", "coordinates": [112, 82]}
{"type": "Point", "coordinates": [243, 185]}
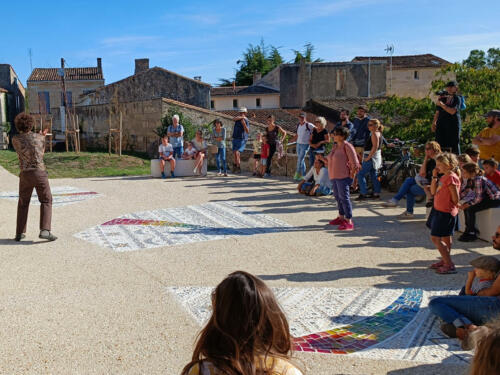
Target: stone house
{"type": "Point", "coordinates": [256, 96]}
{"type": "Point", "coordinates": [410, 75]}
{"type": "Point", "coordinates": [151, 83]}
{"type": "Point", "coordinates": [300, 83]}
{"type": "Point", "coordinates": [12, 94]}
{"type": "Point", "coordinates": [45, 90]}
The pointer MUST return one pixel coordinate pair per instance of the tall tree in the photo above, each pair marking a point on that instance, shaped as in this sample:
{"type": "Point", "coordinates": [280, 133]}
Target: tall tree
{"type": "Point", "coordinates": [476, 59]}
{"type": "Point", "coordinates": [256, 59]}
{"type": "Point", "coordinates": [306, 54]}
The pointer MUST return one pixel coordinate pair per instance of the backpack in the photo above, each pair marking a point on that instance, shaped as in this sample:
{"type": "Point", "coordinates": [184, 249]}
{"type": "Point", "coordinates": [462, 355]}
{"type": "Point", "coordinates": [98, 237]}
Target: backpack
{"type": "Point", "coordinates": [462, 102]}
{"type": "Point", "coordinates": [307, 127]}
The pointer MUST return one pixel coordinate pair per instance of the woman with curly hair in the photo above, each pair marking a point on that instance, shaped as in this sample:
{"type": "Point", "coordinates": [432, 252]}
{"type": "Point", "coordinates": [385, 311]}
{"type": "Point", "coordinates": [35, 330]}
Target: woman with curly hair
{"type": "Point", "coordinates": [30, 148]}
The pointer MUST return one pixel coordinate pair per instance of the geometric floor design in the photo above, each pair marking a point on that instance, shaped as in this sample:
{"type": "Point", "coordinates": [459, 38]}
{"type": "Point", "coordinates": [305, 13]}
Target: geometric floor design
{"type": "Point", "coordinates": [367, 322]}
{"type": "Point", "coordinates": [61, 196]}
{"type": "Point", "coordinates": [181, 225]}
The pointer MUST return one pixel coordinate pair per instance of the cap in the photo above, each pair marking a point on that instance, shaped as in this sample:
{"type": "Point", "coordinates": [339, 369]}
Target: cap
{"type": "Point", "coordinates": [486, 262]}
{"type": "Point", "coordinates": [363, 107]}
{"type": "Point", "coordinates": [242, 110]}
{"type": "Point", "coordinates": [451, 84]}
{"type": "Point", "coordinates": [303, 114]}
{"type": "Point", "coordinates": [493, 113]}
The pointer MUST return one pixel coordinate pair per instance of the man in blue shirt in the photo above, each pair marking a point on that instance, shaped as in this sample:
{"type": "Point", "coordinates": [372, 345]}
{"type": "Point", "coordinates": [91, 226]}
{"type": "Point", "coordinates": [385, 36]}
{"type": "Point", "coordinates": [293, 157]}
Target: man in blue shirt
{"type": "Point", "coordinates": [344, 121]}
{"type": "Point", "coordinates": [175, 133]}
{"type": "Point", "coordinates": [240, 137]}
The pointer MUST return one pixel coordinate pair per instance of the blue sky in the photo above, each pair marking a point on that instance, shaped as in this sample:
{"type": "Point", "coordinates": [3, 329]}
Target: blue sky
{"type": "Point", "coordinates": [206, 38]}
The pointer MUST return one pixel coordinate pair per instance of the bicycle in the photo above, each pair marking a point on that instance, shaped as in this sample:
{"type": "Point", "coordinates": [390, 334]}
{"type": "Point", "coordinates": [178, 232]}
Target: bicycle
{"type": "Point", "coordinates": [393, 174]}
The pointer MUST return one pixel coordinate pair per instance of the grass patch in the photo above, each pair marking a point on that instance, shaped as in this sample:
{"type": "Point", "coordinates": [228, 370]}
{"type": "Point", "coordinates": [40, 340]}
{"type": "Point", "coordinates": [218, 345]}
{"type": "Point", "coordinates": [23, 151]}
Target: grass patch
{"type": "Point", "coordinates": [84, 164]}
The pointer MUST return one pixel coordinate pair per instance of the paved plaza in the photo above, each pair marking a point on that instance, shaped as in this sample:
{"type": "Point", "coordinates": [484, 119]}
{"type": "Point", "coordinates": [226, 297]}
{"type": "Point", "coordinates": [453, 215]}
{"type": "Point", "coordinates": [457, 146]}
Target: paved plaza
{"type": "Point", "coordinates": [126, 287]}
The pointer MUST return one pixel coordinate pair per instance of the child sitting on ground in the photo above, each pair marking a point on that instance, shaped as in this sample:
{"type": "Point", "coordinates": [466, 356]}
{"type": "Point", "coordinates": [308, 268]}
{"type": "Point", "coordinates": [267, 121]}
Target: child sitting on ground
{"type": "Point", "coordinates": [491, 171]}
{"type": "Point", "coordinates": [166, 151]}
{"type": "Point", "coordinates": [256, 153]}
{"type": "Point", "coordinates": [189, 152]}
{"type": "Point", "coordinates": [316, 182]}
{"type": "Point", "coordinates": [482, 276]}
{"type": "Point", "coordinates": [264, 155]}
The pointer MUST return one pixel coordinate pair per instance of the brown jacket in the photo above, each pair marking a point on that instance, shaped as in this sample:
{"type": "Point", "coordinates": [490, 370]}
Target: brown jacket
{"type": "Point", "coordinates": [30, 148]}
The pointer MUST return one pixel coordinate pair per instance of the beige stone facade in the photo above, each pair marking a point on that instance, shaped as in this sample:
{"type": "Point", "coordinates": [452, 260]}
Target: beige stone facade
{"type": "Point", "coordinates": [54, 89]}
{"type": "Point", "coordinates": [264, 101]}
{"type": "Point", "coordinates": [412, 82]}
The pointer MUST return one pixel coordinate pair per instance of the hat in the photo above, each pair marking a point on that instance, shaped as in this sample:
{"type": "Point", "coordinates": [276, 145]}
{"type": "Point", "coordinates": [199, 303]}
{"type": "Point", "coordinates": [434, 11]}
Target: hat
{"type": "Point", "coordinates": [242, 110]}
{"type": "Point", "coordinates": [451, 84]}
{"type": "Point", "coordinates": [303, 114]}
{"type": "Point", "coordinates": [363, 107]}
{"type": "Point", "coordinates": [486, 262]}
{"type": "Point", "coordinates": [493, 113]}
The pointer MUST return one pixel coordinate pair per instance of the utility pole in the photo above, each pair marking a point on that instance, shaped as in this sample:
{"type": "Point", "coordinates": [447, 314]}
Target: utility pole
{"type": "Point", "coordinates": [390, 51]}
{"type": "Point", "coordinates": [64, 102]}
{"type": "Point", "coordinates": [31, 58]}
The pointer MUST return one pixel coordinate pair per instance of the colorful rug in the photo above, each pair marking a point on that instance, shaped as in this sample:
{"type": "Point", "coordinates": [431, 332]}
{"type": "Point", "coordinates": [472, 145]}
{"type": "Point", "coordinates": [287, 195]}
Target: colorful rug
{"type": "Point", "coordinates": [374, 323]}
{"type": "Point", "coordinates": [181, 225]}
{"type": "Point", "coordinates": [61, 195]}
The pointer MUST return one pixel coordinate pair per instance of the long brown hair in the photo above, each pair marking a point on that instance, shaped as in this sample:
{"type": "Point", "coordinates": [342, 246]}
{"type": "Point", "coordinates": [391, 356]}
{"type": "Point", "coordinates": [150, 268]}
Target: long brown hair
{"type": "Point", "coordinates": [487, 358]}
{"type": "Point", "coordinates": [246, 322]}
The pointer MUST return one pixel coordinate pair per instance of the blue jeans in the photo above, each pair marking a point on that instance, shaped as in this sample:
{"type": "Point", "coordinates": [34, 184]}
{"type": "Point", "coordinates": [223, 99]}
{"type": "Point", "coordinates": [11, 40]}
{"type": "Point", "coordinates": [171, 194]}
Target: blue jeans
{"type": "Point", "coordinates": [367, 168]}
{"type": "Point", "coordinates": [463, 310]}
{"type": "Point", "coordinates": [301, 156]}
{"type": "Point", "coordinates": [220, 158]}
{"type": "Point", "coordinates": [178, 151]}
{"type": "Point", "coordinates": [340, 187]}
{"type": "Point", "coordinates": [410, 189]}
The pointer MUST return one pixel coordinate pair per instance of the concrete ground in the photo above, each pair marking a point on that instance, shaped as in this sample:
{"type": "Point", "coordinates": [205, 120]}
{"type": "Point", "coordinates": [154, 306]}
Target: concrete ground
{"type": "Point", "coordinates": [72, 307]}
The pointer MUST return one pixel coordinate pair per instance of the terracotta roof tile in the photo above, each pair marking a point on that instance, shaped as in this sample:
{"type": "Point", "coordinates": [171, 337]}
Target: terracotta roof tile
{"type": "Point", "coordinates": [409, 61]}
{"type": "Point", "coordinates": [71, 74]}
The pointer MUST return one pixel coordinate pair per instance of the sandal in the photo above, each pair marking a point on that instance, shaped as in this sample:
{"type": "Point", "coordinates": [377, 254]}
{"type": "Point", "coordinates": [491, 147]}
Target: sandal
{"type": "Point", "coordinates": [446, 270]}
{"type": "Point", "coordinates": [436, 265]}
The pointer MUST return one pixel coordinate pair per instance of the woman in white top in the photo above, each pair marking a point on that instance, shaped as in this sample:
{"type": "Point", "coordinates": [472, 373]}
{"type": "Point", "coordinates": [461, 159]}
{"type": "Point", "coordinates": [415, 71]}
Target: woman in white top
{"type": "Point", "coordinates": [201, 147]}
{"type": "Point", "coordinates": [321, 184]}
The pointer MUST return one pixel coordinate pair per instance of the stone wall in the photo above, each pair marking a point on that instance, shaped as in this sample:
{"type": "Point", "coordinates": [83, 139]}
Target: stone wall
{"type": "Point", "coordinates": [151, 84]}
{"type": "Point", "coordinates": [404, 82]}
{"type": "Point", "coordinates": [325, 81]}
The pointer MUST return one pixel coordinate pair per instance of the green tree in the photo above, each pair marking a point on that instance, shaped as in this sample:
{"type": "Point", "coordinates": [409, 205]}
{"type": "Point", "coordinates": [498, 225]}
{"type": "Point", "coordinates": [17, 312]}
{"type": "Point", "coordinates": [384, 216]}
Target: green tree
{"type": "Point", "coordinates": [493, 58]}
{"type": "Point", "coordinates": [476, 59]}
{"type": "Point", "coordinates": [259, 58]}
{"type": "Point", "coordinates": [306, 54]}
{"type": "Point", "coordinates": [185, 121]}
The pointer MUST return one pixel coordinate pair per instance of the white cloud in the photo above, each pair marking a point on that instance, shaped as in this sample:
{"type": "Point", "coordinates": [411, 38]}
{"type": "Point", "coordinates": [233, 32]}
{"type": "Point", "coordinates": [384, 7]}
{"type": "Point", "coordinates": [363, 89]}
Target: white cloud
{"type": "Point", "coordinates": [486, 38]}
{"type": "Point", "coordinates": [128, 40]}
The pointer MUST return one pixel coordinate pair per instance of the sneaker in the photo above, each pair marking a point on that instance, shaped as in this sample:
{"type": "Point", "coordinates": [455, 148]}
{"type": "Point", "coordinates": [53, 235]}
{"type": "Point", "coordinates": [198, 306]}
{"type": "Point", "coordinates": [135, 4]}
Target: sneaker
{"type": "Point", "coordinates": [225, 174]}
{"type": "Point", "coordinates": [195, 171]}
{"type": "Point", "coordinates": [19, 237]}
{"type": "Point", "coordinates": [254, 174]}
{"type": "Point", "coordinates": [406, 215]}
{"type": "Point", "coordinates": [172, 174]}
{"type": "Point", "coordinates": [46, 235]}
{"type": "Point", "coordinates": [297, 177]}
{"type": "Point", "coordinates": [467, 237]}
{"type": "Point", "coordinates": [337, 221]}
{"type": "Point", "coordinates": [449, 330]}
{"type": "Point", "coordinates": [360, 197]}
{"type": "Point", "coordinates": [267, 175]}
{"type": "Point", "coordinates": [163, 175]}
{"type": "Point", "coordinates": [346, 226]}
{"type": "Point", "coordinates": [390, 203]}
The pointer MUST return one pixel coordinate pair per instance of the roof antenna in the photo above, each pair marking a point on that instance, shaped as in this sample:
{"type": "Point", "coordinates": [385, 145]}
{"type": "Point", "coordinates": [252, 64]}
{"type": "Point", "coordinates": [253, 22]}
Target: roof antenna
{"type": "Point", "coordinates": [390, 51]}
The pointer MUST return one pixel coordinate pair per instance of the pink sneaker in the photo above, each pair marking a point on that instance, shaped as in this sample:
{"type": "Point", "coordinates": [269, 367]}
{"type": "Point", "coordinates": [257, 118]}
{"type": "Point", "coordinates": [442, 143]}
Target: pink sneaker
{"type": "Point", "coordinates": [346, 226]}
{"type": "Point", "coordinates": [337, 221]}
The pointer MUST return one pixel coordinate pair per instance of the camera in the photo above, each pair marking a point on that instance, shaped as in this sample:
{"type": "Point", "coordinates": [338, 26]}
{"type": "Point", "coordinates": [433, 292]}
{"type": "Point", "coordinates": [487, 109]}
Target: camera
{"type": "Point", "coordinates": [441, 93]}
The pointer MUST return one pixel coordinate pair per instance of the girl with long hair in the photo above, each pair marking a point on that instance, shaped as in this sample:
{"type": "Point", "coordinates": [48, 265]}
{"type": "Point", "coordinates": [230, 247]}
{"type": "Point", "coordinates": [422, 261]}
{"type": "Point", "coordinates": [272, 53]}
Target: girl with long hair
{"type": "Point", "coordinates": [372, 161]}
{"type": "Point", "coordinates": [247, 334]}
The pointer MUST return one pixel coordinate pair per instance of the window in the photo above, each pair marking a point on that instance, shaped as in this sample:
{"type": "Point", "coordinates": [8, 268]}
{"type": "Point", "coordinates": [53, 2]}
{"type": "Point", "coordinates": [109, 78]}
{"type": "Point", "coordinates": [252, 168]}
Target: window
{"type": "Point", "coordinates": [212, 104]}
{"type": "Point", "coordinates": [69, 98]}
{"type": "Point", "coordinates": [257, 102]}
{"type": "Point", "coordinates": [235, 103]}
{"type": "Point", "coordinates": [43, 102]}
{"type": "Point", "coordinates": [415, 74]}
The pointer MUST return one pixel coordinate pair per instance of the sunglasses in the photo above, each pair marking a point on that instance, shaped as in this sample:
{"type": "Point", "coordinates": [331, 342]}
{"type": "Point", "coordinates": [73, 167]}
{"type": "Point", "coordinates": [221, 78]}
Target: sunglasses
{"type": "Point", "coordinates": [497, 234]}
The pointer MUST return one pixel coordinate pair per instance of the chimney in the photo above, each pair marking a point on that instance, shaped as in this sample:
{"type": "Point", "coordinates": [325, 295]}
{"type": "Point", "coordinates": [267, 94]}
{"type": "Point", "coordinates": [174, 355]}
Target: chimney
{"type": "Point", "coordinates": [141, 65]}
{"type": "Point", "coordinates": [257, 76]}
{"type": "Point", "coordinates": [99, 64]}
{"type": "Point", "coordinates": [197, 78]}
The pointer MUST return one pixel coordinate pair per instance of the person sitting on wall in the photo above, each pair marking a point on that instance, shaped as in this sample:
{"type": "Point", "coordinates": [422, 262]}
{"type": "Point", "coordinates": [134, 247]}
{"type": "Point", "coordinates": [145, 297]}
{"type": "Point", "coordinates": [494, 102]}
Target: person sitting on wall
{"type": "Point", "coordinates": [201, 151]}
{"type": "Point", "coordinates": [488, 139]}
{"type": "Point", "coordinates": [491, 171]}
{"type": "Point", "coordinates": [189, 152]}
{"type": "Point", "coordinates": [316, 182]}
{"type": "Point", "coordinates": [166, 152]}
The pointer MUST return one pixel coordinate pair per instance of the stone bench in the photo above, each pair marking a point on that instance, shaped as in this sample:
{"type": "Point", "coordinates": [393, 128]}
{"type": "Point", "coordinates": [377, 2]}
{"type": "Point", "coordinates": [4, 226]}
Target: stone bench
{"type": "Point", "coordinates": [183, 168]}
{"type": "Point", "coordinates": [487, 222]}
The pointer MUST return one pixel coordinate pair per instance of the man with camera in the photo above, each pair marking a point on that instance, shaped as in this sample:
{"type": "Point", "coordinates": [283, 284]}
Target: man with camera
{"type": "Point", "coordinates": [446, 122]}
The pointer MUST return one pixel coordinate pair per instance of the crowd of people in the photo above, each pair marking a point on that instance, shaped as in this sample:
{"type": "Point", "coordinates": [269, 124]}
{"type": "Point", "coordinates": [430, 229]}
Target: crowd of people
{"type": "Point", "coordinates": [248, 332]}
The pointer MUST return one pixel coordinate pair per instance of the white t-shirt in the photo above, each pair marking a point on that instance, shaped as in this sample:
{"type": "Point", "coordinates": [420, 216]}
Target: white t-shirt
{"type": "Point", "coordinates": [304, 133]}
{"type": "Point", "coordinates": [166, 149]}
{"type": "Point", "coordinates": [191, 152]}
{"type": "Point", "coordinates": [320, 178]}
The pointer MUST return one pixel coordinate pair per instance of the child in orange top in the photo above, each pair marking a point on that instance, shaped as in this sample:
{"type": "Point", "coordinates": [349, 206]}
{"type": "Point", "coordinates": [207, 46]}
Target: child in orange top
{"type": "Point", "coordinates": [491, 171]}
{"type": "Point", "coordinates": [443, 217]}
